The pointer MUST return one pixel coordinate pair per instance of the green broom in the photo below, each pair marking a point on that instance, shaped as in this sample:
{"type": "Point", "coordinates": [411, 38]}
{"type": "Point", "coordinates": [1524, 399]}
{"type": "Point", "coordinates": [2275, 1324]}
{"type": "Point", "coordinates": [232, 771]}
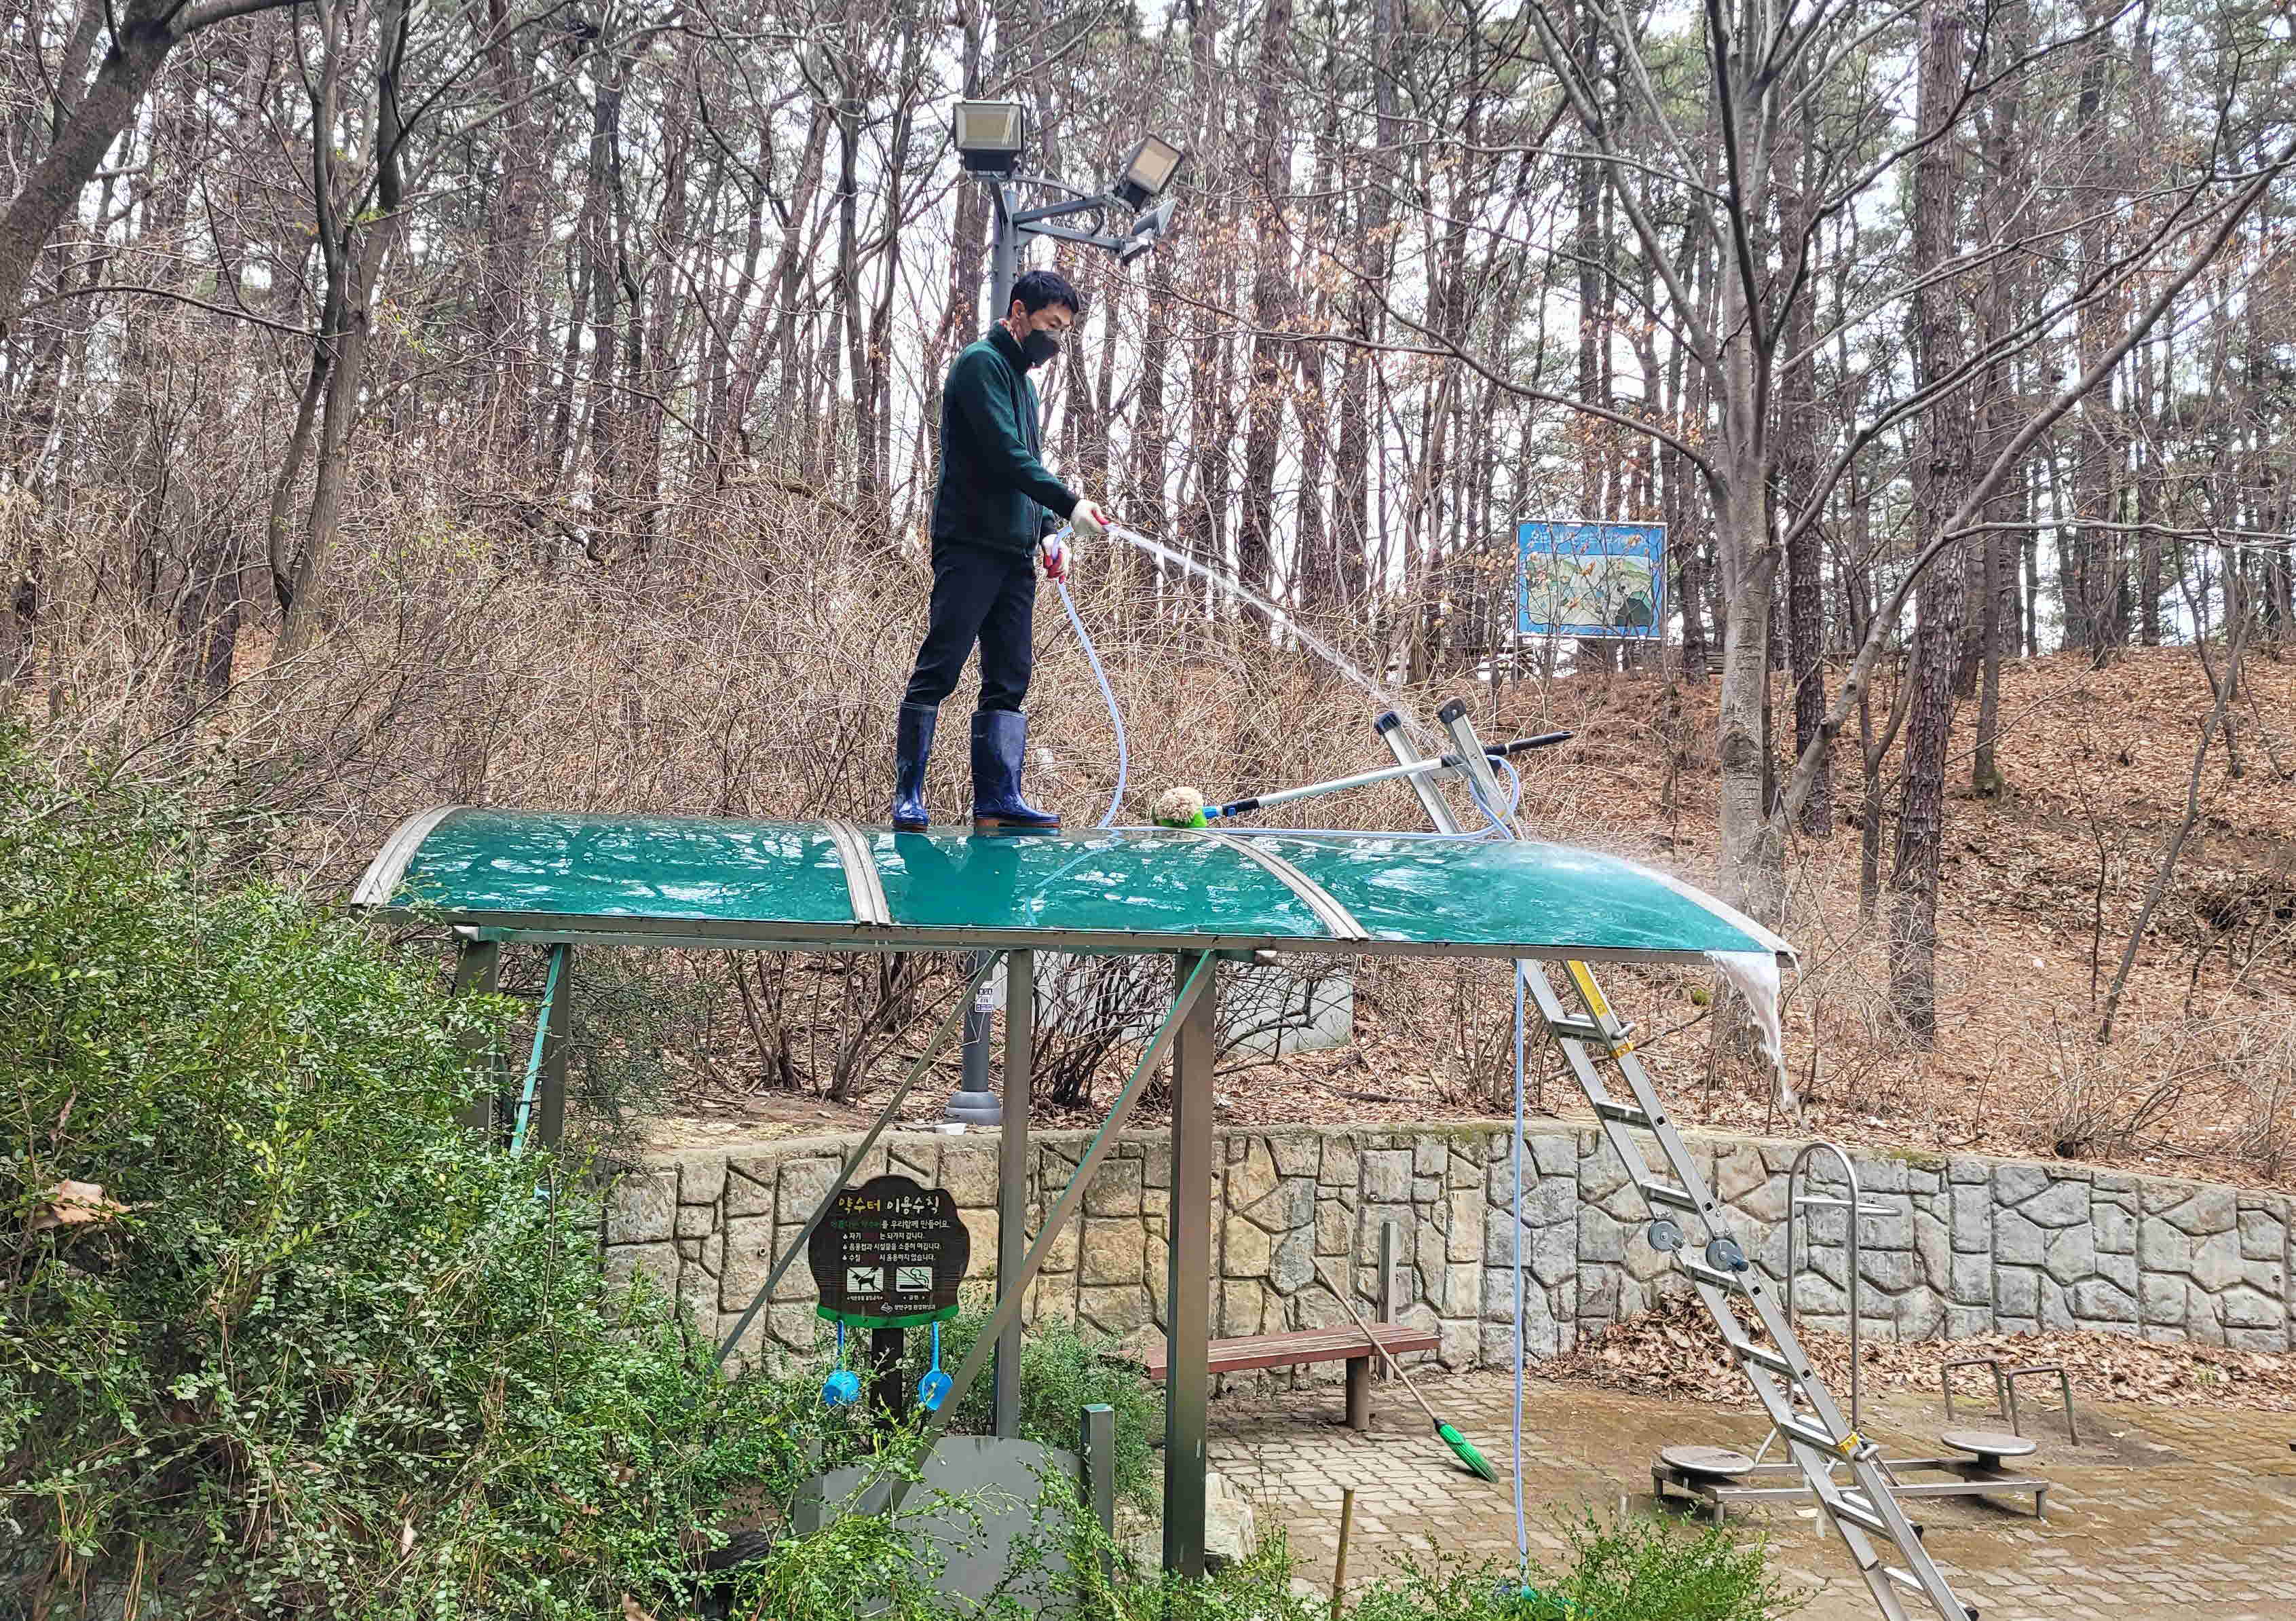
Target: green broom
{"type": "Point", "coordinates": [1459, 1444]}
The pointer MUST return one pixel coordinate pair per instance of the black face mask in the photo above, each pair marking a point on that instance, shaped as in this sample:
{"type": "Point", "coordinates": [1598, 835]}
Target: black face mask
{"type": "Point", "coordinates": [1039, 347]}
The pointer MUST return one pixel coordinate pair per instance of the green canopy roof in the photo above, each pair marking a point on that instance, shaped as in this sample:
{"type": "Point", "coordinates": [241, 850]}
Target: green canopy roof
{"type": "Point", "coordinates": [661, 880]}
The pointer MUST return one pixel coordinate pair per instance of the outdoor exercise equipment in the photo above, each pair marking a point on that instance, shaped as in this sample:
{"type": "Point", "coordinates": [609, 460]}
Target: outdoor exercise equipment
{"type": "Point", "coordinates": [1722, 1475]}
{"type": "Point", "coordinates": [2005, 1389]}
{"type": "Point", "coordinates": [1818, 1438]}
{"type": "Point", "coordinates": [1710, 1472]}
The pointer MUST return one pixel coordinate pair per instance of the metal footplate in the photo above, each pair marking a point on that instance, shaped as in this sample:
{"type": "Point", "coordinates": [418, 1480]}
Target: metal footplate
{"type": "Point", "coordinates": [1862, 1509]}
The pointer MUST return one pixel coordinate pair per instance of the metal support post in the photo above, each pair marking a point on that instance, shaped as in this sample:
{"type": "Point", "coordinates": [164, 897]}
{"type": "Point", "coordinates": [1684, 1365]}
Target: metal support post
{"type": "Point", "coordinates": [1390, 1278]}
{"type": "Point", "coordinates": [550, 1025]}
{"type": "Point", "coordinates": [1012, 1173]}
{"type": "Point", "coordinates": [557, 1033]}
{"type": "Point", "coordinates": [1187, 1306]}
{"type": "Point", "coordinates": [974, 1101]}
{"type": "Point", "coordinates": [478, 966]}
{"type": "Point", "coordinates": [1096, 1450]}
{"type": "Point", "coordinates": [1004, 253]}
{"type": "Point", "coordinates": [889, 1385]}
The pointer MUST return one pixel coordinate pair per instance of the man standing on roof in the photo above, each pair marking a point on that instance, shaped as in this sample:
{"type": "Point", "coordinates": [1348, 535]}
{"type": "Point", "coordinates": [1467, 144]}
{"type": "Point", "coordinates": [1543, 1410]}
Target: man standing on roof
{"type": "Point", "coordinates": [992, 510]}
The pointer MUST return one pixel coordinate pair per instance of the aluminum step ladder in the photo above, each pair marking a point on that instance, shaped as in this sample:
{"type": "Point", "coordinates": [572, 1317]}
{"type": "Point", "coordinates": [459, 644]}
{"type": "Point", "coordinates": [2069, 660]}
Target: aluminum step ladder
{"type": "Point", "coordinates": [1683, 1209]}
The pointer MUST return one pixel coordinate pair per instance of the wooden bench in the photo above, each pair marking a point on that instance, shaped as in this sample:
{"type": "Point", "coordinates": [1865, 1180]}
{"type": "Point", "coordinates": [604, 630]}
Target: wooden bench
{"type": "Point", "coordinates": [1307, 1346]}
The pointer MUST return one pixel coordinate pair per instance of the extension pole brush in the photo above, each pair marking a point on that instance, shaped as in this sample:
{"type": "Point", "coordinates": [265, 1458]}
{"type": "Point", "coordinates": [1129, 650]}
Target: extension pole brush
{"type": "Point", "coordinates": [1186, 807]}
{"type": "Point", "coordinates": [1459, 1444]}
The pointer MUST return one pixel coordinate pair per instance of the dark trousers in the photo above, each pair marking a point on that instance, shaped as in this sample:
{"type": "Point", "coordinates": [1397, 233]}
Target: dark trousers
{"type": "Point", "coordinates": [985, 595]}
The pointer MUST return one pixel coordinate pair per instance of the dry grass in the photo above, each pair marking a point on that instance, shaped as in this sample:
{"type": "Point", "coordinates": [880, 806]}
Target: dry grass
{"type": "Point", "coordinates": [750, 665]}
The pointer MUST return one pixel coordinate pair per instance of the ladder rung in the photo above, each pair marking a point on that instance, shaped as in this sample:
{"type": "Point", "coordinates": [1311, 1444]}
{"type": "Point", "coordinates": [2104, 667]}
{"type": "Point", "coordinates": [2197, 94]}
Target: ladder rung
{"type": "Point", "coordinates": [1810, 1434]}
{"type": "Point", "coordinates": [1862, 1517]}
{"type": "Point", "coordinates": [1906, 1579]}
{"type": "Point", "coordinates": [1580, 1030]}
{"type": "Point", "coordinates": [1728, 1282]}
{"type": "Point", "coordinates": [1762, 1356]}
{"type": "Point", "coordinates": [1666, 1193]}
{"type": "Point", "coordinates": [1626, 1114]}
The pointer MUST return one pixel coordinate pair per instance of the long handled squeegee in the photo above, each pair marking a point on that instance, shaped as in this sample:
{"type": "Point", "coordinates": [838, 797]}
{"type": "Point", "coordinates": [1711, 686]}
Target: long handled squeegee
{"type": "Point", "coordinates": [1416, 767]}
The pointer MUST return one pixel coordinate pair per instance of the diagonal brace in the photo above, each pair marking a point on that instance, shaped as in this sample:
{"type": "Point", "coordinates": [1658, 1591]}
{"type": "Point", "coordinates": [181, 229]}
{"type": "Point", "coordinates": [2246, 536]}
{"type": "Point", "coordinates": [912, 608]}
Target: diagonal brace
{"type": "Point", "coordinates": [553, 988]}
{"type": "Point", "coordinates": [935, 1045]}
{"type": "Point", "coordinates": [1197, 982]}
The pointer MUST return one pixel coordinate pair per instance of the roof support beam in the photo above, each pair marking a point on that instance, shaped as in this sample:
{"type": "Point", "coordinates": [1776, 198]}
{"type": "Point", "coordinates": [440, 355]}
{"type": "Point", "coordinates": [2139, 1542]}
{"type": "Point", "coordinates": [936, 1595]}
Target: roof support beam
{"type": "Point", "coordinates": [1188, 1291]}
{"type": "Point", "coordinates": [1319, 901]}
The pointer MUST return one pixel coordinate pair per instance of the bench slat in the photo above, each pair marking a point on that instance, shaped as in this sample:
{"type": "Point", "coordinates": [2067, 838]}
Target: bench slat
{"type": "Point", "coordinates": [1293, 1350]}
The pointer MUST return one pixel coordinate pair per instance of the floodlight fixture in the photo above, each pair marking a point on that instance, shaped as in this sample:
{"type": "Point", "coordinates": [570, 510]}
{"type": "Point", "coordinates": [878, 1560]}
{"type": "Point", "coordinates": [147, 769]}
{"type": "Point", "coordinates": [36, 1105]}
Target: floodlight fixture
{"type": "Point", "coordinates": [1145, 230]}
{"type": "Point", "coordinates": [990, 135]}
{"type": "Point", "coordinates": [1147, 172]}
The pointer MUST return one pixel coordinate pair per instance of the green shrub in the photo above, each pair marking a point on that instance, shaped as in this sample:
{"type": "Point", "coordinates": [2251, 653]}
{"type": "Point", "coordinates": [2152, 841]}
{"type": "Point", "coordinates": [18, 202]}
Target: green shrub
{"type": "Point", "coordinates": [1627, 1570]}
{"type": "Point", "coordinates": [332, 1357]}
{"type": "Point", "coordinates": [1637, 1569]}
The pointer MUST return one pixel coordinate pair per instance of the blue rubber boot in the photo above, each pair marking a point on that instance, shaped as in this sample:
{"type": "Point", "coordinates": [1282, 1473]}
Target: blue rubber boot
{"type": "Point", "coordinates": [912, 746]}
{"type": "Point", "coordinates": [1000, 749]}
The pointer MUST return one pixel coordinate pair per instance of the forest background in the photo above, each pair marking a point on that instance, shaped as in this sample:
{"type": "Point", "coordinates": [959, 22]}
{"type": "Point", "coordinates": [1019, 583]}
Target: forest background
{"type": "Point", "coordinates": [533, 403]}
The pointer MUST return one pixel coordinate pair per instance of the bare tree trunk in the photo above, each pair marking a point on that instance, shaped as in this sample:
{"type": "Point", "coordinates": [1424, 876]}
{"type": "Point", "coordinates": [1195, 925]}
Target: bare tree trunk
{"type": "Point", "coordinates": [850, 109]}
{"type": "Point", "coordinates": [1753, 847]}
{"type": "Point", "coordinates": [1798, 470]}
{"type": "Point", "coordinates": [355, 251]}
{"type": "Point", "coordinates": [2096, 569]}
{"type": "Point", "coordinates": [1942, 471]}
{"type": "Point", "coordinates": [2006, 180]}
{"type": "Point", "coordinates": [1270, 305]}
{"type": "Point", "coordinates": [1151, 439]}
{"type": "Point", "coordinates": [505, 259]}
{"type": "Point", "coordinates": [1352, 525]}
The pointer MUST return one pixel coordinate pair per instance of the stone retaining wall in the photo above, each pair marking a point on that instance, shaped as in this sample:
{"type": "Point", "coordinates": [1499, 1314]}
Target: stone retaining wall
{"type": "Point", "coordinates": [1971, 1244]}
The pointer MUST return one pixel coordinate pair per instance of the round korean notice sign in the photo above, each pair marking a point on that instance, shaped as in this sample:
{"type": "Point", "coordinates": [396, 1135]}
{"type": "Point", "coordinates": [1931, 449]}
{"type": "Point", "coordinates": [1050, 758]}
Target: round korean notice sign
{"type": "Point", "coordinates": [890, 1254]}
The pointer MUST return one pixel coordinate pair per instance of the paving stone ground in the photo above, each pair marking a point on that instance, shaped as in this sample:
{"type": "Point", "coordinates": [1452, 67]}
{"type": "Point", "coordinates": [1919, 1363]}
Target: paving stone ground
{"type": "Point", "coordinates": [2183, 1513]}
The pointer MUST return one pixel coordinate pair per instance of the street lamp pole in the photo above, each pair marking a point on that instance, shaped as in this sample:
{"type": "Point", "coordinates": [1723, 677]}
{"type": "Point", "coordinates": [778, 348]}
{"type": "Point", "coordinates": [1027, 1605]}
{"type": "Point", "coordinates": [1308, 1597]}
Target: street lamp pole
{"type": "Point", "coordinates": [991, 148]}
{"type": "Point", "coordinates": [1004, 253]}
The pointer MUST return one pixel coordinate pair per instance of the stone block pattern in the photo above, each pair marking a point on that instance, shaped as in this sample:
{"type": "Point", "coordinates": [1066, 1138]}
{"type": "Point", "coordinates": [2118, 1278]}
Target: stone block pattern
{"type": "Point", "coordinates": [1963, 1244]}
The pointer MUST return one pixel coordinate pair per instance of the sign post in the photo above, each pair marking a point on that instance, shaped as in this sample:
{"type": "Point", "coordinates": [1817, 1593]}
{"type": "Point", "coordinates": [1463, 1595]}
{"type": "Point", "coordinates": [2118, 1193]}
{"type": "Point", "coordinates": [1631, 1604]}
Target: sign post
{"type": "Point", "coordinates": [889, 1257]}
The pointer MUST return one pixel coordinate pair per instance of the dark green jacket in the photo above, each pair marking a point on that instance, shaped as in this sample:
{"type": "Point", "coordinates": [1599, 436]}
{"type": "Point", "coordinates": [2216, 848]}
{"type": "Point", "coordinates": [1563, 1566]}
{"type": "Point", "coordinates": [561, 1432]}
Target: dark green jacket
{"type": "Point", "coordinates": [993, 491]}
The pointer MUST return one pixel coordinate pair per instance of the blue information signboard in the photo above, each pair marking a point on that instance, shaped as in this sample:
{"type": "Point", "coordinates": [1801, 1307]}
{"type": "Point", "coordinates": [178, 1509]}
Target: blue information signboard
{"type": "Point", "coordinates": [1592, 580]}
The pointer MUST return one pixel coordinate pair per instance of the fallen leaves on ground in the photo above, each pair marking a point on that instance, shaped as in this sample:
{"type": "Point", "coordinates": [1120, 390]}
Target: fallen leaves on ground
{"type": "Point", "coordinates": [1676, 1351]}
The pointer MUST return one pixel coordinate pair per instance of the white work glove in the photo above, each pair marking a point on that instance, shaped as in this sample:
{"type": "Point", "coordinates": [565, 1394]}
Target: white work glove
{"type": "Point", "coordinates": [1055, 551]}
{"type": "Point", "coordinates": [1087, 516]}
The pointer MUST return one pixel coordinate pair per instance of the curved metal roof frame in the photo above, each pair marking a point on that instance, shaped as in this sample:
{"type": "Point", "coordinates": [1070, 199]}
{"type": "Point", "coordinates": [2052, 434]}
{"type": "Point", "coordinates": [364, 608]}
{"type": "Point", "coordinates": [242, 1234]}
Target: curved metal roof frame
{"type": "Point", "coordinates": [719, 884]}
